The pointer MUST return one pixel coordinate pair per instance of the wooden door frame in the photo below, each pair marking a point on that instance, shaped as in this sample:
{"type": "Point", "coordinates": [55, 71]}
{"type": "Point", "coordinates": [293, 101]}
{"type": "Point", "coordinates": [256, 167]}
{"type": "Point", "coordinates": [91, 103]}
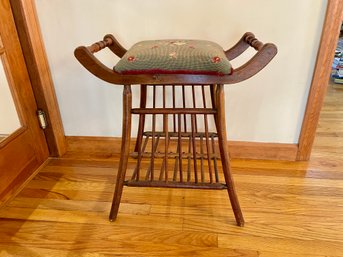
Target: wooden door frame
{"type": "Point", "coordinates": [34, 51]}
{"type": "Point", "coordinates": [25, 15]}
{"type": "Point", "coordinates": [321, 74]}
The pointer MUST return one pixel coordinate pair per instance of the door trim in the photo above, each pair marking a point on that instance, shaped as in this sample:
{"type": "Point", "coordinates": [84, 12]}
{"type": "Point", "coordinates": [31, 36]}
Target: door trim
{"type": "Point", "coordinates": [332, 24]}
{"type": "Point", "coordinates": [25, 15]}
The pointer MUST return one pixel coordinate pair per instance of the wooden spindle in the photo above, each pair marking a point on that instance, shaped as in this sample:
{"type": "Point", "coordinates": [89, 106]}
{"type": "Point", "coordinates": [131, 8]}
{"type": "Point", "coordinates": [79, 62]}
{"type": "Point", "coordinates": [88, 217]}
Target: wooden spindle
{"type": "Point", "coordinates": [141, 123]}
{"type": "Point", "coordinates": [166, 145]}
{"type": "Point", "coordinates": [145, 143]}
{"type": "Point", "coordinates": [153, 137]}
{"type": "Point", "coordinates": [164, 96]}
{"type": "Point", "coordinates": [189, 158]}
{"type": "Point", "coordinates": [194, 149]}
{"type": "Point", "coordinates": [203, 96]}
{"type": "Point", "coordinates": [214, 158]}
{"type": "Point", "coordinates": [139, 159]}
{"type": "Point", "coordinates": [174, 105]}
{"type": "Point", "coordinates": [194, 106]}
{"type": "Point", "coordinates": [135, 176]}
{"type": "Point", "coordinates": [153, 96]}
{"type": "Point", "coordinates": [179, 141]}
{"type": "Point", "coordinates": [176, 163]}
{"type": "Point", "coordinates": [154, 142]}
{"type": "Point", "coordinates": [184, 106]}
{"type": "Point", "coordinates": [96, 47]}
{"type": "Point", "coordinates": [207, 139]}
{"type": "Point", "coordinates": [202, 159]}
{"type": "Point", "coordinates": [253, 41]}
{"type": "Point", "coordinates": [160, 178]}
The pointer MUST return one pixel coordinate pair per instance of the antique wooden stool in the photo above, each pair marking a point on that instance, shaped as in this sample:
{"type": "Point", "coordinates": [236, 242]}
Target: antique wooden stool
{"type": "Point", "coordinates": [182, 93]}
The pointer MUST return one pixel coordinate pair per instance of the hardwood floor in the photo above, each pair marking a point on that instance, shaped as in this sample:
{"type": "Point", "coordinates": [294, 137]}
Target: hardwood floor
{"type": "Point", "coordinates": [291, 208]}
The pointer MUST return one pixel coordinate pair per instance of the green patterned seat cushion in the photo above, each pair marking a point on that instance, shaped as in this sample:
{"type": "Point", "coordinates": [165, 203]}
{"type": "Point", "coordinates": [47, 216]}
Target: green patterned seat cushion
{"type": "Point", "coordinates": [174, 57]}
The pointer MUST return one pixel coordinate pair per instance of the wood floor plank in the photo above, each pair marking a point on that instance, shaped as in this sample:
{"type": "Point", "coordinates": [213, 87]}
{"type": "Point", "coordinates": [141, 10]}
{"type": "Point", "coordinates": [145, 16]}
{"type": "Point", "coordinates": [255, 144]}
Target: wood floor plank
{"type": "Point", "coordinates": [261, 228]}
{"type": "Point", "coordinates": [110, 239]}
{"type": "Point", "coordinates": [9, 250]}
{"type": "Point", "coordinates": [281, 254]}
{"type": "Point", "coordinates": [282, 246]}
{"type": "Point", "coordinates": [101, 234]}
{"type": "Point", "coordinates": [136, 249]}
{"type": "Point", "coordinates": [72, 205]}
{"type": "Point", "coordinates": [85, 217]}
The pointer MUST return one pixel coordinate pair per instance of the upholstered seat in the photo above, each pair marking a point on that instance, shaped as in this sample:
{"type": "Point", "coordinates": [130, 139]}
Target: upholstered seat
{"type": "Point", "coordinates": [175, 57]}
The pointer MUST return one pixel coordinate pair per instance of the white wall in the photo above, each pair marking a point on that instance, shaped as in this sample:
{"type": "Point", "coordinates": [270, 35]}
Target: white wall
{"type": "Point", "coordinates": [267, 108]}
{"type": "Point", "coordinates": [9, 120]}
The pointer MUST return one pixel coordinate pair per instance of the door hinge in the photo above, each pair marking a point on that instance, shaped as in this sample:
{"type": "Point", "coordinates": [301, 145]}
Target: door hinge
{"type": "Point", "coordinates": [42, 119]}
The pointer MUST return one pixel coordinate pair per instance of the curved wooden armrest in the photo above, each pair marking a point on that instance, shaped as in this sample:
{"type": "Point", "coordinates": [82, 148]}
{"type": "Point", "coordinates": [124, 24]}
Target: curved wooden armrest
{"type": "Point", "coordinates": [263, 56]}
{"type": "Point", "coordinates": [265, 53]}
{"type": "Point", "coordinates": [85, 55]}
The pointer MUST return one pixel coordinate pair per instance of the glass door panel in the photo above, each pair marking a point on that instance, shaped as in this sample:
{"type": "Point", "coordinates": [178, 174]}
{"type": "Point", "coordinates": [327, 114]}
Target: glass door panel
{"type": "Point", "coordinates": [9, 120]}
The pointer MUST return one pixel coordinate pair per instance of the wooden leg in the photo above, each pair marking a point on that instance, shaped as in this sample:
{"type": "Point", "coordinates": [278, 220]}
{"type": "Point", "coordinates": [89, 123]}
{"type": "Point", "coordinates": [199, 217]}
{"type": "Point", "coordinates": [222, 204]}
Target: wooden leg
{"type": "Point", "coordinates": [125, 147]}
{"type": "Point", "coordinates": [213, 94]}
{"type": "Point", "coordinates": [141, 118]}
{"type": "Point", "coordinates": [213, 89]}
{"type": "Point", "coordinates": [224, 154]}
